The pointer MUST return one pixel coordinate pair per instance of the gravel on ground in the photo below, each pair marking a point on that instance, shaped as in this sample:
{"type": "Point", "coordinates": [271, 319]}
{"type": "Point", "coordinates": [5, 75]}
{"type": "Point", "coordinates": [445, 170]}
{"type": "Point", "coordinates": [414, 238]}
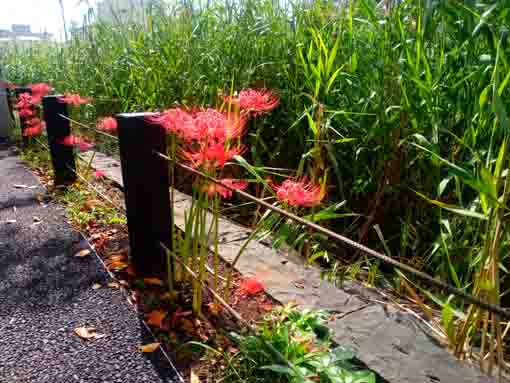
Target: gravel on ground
{"type": "Point", "coordinates": [46, 293]}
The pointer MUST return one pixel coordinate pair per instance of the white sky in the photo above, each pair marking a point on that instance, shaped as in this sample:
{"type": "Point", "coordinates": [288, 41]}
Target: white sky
{"type": "Point", "coordinates": [41, 14]}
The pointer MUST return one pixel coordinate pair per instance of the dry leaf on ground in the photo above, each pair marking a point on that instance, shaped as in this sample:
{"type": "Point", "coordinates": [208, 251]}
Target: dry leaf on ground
{"type": "Point", "coordinates": [82, 253]}
{"type": "Point", "coordinates": [96, 286]}
{"type": "Point", "coordinates": [194, 377]}
{"type": "Point", "coordinates": [114, 285]}
{"type": "Point", "coordinates": [90, 204]}
{"type": "Point", "coordinates": [87, 333]}
{"type": "Point", "coordinates": [188, 326]}
{"type": "Point", "coordinates": [117, 265]}
{"type": "Point", "coordinates": [154, 281]}
{"type": "Point", "coordinates": [116, 257]}
{"type": "Point", "coordinates": [155, 318]}
{"type": "Point", "coordinates": [151, 347]}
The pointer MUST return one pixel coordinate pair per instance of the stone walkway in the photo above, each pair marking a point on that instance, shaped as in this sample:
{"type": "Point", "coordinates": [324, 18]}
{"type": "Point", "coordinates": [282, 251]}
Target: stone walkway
{"type": "Point", "coordinates": [46, 293]}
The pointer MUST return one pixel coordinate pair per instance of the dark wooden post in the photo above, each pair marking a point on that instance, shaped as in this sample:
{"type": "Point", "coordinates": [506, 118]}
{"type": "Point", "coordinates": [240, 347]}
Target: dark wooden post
{"type": "Point", "coordinates": [146, 190]}
{"type": "Point", "coordinates": [57, 127]}
{"type": "Point", "coordinates": [23, 120]}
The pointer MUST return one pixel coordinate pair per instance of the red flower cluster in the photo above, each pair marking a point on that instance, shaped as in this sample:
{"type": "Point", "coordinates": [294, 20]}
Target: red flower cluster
{"type": "Point", "coordinates": [206, 134]}
{"type": "Point", "coordinates": [212, 188]}
{"type": "Point", "coordinates": [107, 124]}
{"type": "Point", "coordinates": [26, 110]}
{"type": "Point", "coordinates": [250, 287]}
{"type": "Point", "coordinates": [24, 101]}
{"type": "Point", "coordinates": [74, 99]}
{"type": "Point", "coordinates": [81, 143]}
{"type": "Point", "coordinates": [202, 124]}
{"type": "Point", "coordinates": [39, 91]}
{"type": "Point", "coordinates": [255, 101]}
{"type": "Point", "coordinates": [34, 127]}
{"type": "Point", "coordinates": [210, 138]}
{"type": "Point", "coordinates": [211, 156]}
{"type": "Point", "coordinates": [299, 193]}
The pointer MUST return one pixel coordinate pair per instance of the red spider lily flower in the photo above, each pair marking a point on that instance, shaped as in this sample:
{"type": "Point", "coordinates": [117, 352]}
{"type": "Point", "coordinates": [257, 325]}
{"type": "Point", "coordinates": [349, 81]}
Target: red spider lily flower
{"type": "Point", "coordinates": [34, 128]}
{"type": "Point", "coordinates": [107, 124]}
{"type": "Point", "coordinates": [255, 101]}
{"type": "Point", "coordinates": [212, 188]}
{"type": "Point", "coordinates": [26, 113]}
{"type": "Point", "coordinates": [34, 121]}
{"type": "Point", "coordinates": [77, 141]}
{"type": "Point", "coordinates": [24, 101]}
{"type": "Point", "coordinates": [217, 127]}
{"type": "Point", "coordinates": [39, 91]}
{"type": "Point", "coordinates": [250, 287]}
{"type": "Point", "coordinates": [32, 131]}
{"type": "Point", "coordinates": [201, 125]}
{"type": "Point", "coordinates": [74, 99]}
{"type": "Point", "coordinates": [176, 120]}
{"type": "Point", "coordinates": [299, 193]}
{"type": "Point", "coordinates": [211, 156]}
{"type": "Point", "coordinates": [99, 174]}
{"type": "Point", "coordinates": [85, 146]}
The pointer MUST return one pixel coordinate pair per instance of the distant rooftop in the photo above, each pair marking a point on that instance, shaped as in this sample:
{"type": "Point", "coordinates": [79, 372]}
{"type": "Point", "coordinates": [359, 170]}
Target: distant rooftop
{"type": "Point", "coordinates": [21, 28]}
{"type": "Point", "coordinates": [23, 32]}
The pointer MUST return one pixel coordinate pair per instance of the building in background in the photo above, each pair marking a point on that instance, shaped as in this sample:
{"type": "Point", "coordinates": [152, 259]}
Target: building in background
{"type": "Point", "coordinates": [122, 11]}
{"type": "Point", "coordinates": [22, 35]}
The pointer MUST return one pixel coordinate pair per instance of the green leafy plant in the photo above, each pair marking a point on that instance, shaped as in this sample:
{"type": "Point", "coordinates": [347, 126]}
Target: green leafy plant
{"type": "Point", "coordinates": [301, 343]}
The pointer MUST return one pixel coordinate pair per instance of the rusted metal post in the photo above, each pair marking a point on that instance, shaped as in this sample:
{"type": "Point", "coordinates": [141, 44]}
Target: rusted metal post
{"type": "Point", "coordinates": [57, 127]}
{"type": "Point", "coordinates": [146, 190]}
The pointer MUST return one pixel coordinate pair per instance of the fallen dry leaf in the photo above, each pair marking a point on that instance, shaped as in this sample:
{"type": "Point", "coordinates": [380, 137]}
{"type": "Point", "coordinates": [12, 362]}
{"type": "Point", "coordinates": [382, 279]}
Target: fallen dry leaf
{"type": "Point", "coordinates": [87, 333]}
{"type": "Point", "coordinates": [155, 318]}
{"type": "Point", "coordinates": [214, 308]}
{"type": "Point", "coordinates": [116, 258]}
{"type": "Point", "coordinates": [96, 286]}
{"type": "Point", "coordinates": [151, 347]}
{"type": "Point", "coordinates": [114, 285]}
{"type": "Point", "coordinates": [299, 285]}
{"type": "Point", "coordinates": [188, 326]}
{"type": "Point", "coordinates": [193, 376]}
{"type": "Point", "coordinates": [117, 265]}
{"type": "Point", "coordinates": [82, 253]}
{"type": "Point", "coordinates": [90, 204]}
{"type": "Point", "coordinates": [154, 281]}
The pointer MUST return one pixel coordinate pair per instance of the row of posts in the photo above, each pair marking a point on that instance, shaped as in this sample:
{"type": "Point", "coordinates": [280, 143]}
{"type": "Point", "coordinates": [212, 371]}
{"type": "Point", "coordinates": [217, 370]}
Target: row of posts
{"type": "Point", "coordinates": [145, 177]}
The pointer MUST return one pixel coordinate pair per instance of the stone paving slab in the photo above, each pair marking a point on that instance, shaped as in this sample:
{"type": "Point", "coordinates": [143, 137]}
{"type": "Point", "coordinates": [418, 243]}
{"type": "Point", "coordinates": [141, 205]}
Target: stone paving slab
{"type": "Point", "coordinates": [391, 344]}
{"type": "Point", "coordinates": [46, 293]}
